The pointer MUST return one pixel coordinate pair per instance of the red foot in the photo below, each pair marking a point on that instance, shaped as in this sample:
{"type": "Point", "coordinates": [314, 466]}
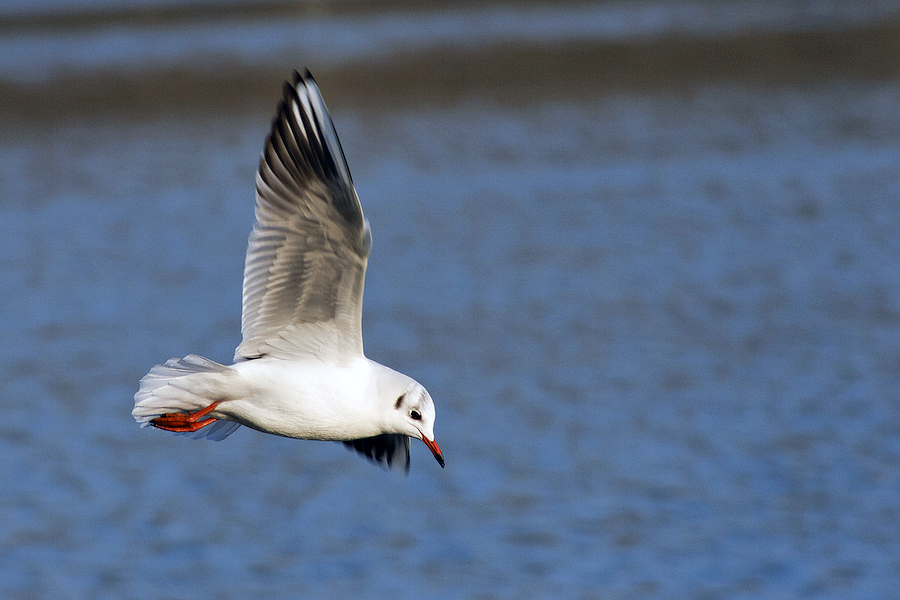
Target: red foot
{"type": "Point", "coordinates": [184, 422]}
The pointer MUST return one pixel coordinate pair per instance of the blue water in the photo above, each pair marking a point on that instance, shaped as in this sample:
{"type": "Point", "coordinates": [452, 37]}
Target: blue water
{"type": "Point", "coordinates": [661, 326]}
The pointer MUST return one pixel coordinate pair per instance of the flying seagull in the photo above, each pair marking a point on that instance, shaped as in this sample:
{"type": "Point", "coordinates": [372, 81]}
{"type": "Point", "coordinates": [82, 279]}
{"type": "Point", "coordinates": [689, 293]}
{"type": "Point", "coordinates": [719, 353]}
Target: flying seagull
{"type": "Point", "coordinates": [299, 370]}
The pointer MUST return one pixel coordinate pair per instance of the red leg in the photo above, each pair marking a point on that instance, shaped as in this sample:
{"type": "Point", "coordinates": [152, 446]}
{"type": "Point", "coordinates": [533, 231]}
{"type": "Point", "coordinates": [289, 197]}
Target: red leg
{"type": "Point", "coordinates": [184, 422]}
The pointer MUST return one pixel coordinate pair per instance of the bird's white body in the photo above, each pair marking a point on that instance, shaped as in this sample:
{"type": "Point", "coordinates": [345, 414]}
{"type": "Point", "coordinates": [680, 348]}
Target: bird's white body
{"type": "Point", "coordinates": [306, 399]}
{"type": "Point", "coordinates": [309, 400]}
{"type": "Point", "coordinates": [300, 370]}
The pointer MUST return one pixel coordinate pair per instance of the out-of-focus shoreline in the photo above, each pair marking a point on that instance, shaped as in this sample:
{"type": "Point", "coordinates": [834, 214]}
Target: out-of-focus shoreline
{"type": "Point", "coordinates": [505, 72]}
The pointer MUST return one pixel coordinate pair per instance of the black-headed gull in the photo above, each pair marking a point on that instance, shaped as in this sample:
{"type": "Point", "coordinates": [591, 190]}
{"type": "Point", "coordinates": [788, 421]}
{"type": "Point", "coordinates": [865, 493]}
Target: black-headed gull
{"type": "Point", "coordinates": [300, 370]}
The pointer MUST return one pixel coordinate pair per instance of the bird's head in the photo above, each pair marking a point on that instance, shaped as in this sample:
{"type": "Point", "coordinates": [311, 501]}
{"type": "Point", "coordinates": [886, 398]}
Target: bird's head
{"type": "Point", "coordinates": [413, 415]}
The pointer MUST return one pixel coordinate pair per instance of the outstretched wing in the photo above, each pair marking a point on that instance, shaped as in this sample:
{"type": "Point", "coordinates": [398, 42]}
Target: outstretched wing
{"type": "Point", "coordinates": [389, 450]}
{"type": "Point", "coordinates": [306, 257]}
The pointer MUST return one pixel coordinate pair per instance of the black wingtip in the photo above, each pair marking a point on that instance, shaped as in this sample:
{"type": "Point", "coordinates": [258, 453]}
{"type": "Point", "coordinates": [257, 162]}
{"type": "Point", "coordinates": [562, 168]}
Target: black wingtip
{"type": "Point", "coordinates": [389, 451]}
{"type": "Point", "coordinates": [306, 76]}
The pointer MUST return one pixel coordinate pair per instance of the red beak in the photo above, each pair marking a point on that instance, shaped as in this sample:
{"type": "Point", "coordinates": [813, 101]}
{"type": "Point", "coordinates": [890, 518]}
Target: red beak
{"type": "Point", "coordinates": [438, 455]}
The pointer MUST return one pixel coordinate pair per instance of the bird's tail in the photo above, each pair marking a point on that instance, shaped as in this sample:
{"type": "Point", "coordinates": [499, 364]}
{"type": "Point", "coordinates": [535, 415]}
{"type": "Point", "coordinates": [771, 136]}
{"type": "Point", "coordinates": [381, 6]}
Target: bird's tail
{"type": "Point", "coordinates": [184, 385]}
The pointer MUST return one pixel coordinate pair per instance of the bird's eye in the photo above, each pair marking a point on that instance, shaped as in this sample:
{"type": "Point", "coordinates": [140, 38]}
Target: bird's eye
{"type": "Point", "coordinates": [415, 415]}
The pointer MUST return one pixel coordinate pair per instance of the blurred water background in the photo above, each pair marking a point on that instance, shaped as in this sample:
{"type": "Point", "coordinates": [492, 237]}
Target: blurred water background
{"type": "Point", "coordinates": [643, 254]}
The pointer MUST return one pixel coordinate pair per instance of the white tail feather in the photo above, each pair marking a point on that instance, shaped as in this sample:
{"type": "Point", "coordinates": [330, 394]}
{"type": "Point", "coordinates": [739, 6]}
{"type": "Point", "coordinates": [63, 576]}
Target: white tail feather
{"type": "Point", "coordinates": [184, 385]}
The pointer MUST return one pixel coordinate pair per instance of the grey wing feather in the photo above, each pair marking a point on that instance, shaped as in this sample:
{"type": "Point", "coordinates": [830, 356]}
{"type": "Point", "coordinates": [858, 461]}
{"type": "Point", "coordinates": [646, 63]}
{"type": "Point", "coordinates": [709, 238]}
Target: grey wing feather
{"type": "Point", "coordinates": [306, 257]}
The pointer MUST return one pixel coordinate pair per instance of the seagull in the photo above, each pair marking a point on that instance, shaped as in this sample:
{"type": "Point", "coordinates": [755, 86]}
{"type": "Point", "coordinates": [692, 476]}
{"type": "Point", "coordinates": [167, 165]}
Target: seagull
{"type": "Point", "coordinates": [300, 370]}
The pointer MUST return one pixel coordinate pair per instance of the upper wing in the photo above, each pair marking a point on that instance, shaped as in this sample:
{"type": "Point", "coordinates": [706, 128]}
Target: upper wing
{"type": "Point", "coordinates": [306, 257]}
